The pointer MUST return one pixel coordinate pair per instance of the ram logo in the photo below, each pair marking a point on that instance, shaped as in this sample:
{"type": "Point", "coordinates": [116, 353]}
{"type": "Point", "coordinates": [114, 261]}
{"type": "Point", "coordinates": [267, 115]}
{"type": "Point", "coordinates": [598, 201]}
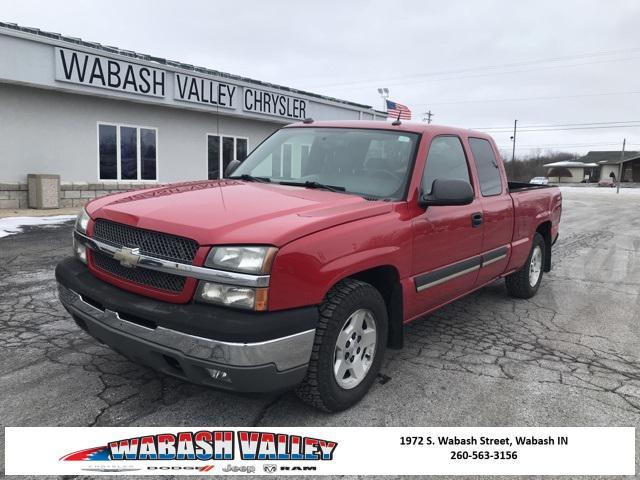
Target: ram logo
{"type": "Point", "coordinates": [269, 468]}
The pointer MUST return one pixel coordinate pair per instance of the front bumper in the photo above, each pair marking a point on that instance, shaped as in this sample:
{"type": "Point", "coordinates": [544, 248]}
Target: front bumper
{"type": "Point", "coordinates": [127, 323]}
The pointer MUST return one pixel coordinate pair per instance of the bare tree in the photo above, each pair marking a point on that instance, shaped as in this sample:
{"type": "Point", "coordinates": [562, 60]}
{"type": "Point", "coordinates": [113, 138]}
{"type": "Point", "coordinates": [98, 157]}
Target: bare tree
{"type": "Point", "coordinates": [523, 169]}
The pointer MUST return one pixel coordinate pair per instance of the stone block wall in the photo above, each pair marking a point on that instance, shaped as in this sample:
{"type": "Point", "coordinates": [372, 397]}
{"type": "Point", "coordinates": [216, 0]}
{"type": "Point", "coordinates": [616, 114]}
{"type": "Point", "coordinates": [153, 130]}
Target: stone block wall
{"type": "Point", "coordinates": [14, 195]}
{"type": "Point", "coordinates": [76, 194]}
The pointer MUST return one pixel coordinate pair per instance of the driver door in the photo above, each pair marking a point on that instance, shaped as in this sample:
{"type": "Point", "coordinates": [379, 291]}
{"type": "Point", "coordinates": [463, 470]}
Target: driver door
{"type": "Point", "coordinates": [446, 239]}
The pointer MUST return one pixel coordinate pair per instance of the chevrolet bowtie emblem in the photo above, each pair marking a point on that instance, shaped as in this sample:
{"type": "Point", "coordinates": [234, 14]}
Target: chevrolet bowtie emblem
{"type": "Point", "coordinates": [128, 257]}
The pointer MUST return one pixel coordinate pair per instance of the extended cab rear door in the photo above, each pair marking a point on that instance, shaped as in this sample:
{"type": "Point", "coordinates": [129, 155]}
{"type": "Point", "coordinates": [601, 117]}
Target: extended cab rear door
{"type": "Point", "coordinates": [497, 209]}
{"type": "Point", "coordinates": [446, 242]}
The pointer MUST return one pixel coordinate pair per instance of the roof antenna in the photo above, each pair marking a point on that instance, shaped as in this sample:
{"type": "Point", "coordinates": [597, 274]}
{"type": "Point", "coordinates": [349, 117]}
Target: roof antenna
{"type": "Point", "coordinates": [397, 121]}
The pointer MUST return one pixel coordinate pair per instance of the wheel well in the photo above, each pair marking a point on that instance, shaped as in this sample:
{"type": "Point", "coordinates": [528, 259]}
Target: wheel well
{"type": "Point", "coordinates": [387, 281]}
{"type": "Point", "coordinates": [544, 229]}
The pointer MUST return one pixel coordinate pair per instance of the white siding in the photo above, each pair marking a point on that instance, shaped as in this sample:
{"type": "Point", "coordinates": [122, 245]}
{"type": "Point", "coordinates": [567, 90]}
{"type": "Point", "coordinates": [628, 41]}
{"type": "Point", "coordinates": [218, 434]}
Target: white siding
{"type": "Point", "coordinates": [577, 175]}
{"type": "Point", "coordinates": [44, 131]}
{"type": "Point", "coordinates": [606, 170]}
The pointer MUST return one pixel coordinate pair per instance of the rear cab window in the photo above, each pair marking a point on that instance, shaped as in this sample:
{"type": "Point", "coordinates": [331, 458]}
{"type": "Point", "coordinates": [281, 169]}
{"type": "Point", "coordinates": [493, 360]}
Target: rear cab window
{"type": "Point", "coordinates": [487, 167]}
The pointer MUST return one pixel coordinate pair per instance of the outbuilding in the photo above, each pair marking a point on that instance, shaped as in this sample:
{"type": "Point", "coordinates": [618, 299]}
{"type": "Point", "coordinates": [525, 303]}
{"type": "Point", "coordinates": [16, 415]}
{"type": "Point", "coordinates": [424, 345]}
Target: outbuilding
{"type": "Point", "coordinates": [106, 119]}
{"type": "Point", "coordinates": [570, 172]}
{"type": "Point", "coordinates": [626, 169]}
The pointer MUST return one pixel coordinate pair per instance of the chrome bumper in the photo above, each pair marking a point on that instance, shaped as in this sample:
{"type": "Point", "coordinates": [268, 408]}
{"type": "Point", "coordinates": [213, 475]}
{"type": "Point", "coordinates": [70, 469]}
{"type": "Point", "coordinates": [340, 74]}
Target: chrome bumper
{"type": "Point", "coordinates": [285, 352]}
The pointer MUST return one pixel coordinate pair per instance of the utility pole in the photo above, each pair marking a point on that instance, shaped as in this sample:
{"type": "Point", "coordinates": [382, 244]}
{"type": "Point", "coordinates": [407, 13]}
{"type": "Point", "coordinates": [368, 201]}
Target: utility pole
{"type": "Point", "coordinates": [624, 142]}
{"type": "Point", "coordinates": [513, 139]}
{"type": "Point", "coordinates": [426, 116]}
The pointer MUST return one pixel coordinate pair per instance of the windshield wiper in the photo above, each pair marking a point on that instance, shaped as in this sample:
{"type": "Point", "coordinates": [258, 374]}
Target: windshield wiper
{"type": "Point", "coordinates": [251, 178]}
{"type": "Point", "coordinates": [308, 184]}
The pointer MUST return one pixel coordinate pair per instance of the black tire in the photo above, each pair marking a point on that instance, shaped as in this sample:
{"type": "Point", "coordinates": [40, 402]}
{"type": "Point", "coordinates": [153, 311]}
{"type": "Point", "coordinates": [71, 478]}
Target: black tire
{"type": "Point", "coordinates": [518, 284]}
{"type": "Point", "coordinates": [319, 387]}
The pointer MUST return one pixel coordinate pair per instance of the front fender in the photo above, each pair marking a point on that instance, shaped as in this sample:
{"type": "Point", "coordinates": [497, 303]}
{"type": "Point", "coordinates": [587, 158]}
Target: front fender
{"type": "Point", "coordinates": [307, 268]}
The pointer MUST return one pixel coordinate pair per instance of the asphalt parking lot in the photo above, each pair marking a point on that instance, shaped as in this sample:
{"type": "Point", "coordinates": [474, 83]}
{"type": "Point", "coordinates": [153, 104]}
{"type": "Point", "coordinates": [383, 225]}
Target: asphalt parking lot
{"type": "Point", "coordinates": [568, 357]}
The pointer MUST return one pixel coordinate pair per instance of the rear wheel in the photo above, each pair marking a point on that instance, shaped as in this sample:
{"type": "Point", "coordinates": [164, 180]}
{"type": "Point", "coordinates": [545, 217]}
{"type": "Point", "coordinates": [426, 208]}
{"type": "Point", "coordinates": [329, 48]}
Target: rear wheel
{"type": "Point", "coordinates": [348, 349]}
{"type": "Point", "coordinates": [525, 282]}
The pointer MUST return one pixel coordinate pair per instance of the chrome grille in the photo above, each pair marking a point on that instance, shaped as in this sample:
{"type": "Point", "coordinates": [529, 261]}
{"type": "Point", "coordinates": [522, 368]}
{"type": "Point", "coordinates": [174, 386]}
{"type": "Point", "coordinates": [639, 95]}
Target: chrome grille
{"type": "Point", "coordinates": [142, 276]}
{"type": "Point", "coordinates": [154, 244]}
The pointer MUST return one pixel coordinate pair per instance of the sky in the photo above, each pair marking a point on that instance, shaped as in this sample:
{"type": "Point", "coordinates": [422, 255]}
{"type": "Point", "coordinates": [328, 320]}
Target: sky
{"type": "Point", "coordinates": [568, 71]}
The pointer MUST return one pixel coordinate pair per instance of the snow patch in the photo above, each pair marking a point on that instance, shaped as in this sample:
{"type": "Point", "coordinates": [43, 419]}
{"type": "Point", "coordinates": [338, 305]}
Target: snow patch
{"type": "Point", "coordinates": [608, 191]}
{"type": "Point", "coordinates": [13, 225]}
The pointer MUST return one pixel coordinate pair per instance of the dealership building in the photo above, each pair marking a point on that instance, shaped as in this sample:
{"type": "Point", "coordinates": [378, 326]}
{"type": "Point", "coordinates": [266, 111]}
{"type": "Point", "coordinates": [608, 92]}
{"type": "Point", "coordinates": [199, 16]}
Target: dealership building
{"type": "Point", "coordinates": [103, 119]}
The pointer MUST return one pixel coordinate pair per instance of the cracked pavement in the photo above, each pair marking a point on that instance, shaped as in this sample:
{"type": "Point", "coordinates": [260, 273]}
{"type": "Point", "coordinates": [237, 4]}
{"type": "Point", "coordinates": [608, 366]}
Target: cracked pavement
{"type": "Point", "coordinates": [568, 357]}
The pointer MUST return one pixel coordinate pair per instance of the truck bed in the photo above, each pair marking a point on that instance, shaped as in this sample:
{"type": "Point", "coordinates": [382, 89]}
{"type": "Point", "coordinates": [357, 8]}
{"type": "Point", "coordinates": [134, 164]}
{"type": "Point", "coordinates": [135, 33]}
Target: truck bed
{"type": "Point", "coordinates": [520, 186]}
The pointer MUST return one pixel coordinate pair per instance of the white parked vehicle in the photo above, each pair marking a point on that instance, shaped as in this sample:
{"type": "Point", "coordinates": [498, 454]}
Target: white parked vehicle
{"type": "Point", "coordinates": [539, 181]}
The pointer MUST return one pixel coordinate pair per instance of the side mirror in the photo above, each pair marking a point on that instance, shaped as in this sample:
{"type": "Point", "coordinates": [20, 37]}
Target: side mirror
{"type": "Point", "coordinates": [233, 164]}
{"type": "Point", "coordinates": [448, 192]}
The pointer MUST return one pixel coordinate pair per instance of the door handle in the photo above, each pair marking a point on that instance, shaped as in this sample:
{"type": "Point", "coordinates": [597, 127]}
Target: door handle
{"type": "Point", "coordinates": [476, 220]}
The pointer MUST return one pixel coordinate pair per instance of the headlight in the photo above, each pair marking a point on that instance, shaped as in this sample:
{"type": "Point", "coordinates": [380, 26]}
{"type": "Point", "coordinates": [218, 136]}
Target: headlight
{"type": "Point", "coordinates": [241, 259]}
{"type": "Point", "coordinates": [82, 221]}
{"type": "Point", "coordinates": [233, 296]}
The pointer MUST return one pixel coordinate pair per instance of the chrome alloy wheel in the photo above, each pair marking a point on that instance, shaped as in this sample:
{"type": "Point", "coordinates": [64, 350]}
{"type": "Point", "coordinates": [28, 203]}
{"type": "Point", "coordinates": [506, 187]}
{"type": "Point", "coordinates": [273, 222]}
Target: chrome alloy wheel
{"type": "Point", "coordinates": [355, 349]}
{"type": "Point", "coordinates": [535, 266]}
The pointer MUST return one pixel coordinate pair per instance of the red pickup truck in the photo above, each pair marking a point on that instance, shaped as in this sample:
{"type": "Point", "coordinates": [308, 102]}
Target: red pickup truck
{"type": "Point", "coordinates": [301, 267]}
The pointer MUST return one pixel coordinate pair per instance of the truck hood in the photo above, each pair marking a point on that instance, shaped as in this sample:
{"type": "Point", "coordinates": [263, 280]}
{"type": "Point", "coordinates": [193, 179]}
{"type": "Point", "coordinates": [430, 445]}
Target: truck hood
{"type": "Point", "coordinates": [235, 212]}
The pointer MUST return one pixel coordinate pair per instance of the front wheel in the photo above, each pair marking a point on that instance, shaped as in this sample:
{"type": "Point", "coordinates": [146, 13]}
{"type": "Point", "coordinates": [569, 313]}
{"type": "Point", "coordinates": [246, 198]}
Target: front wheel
{"type": "Point", "coordinates": [348, 349]}
{"type": "Point", "coordinates": [525, 282]}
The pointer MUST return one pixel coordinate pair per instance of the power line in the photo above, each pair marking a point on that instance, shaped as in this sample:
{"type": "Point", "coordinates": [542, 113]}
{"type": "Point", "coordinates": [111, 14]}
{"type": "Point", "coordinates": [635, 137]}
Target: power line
{"type": "Point", "coordinates": [490, 67]}
{"type": "Point", "coordinates": [423, 76]}
{"type": "Point", "coordinates": [560, 145]}
{"type": "Point", "coordinates": [523, 99]}
{"type": "Point", "coordinates": [610, 122]}
{"type": "Point", "coordinates": [556, 129]}
{"type": "Point", "coordinates": [567, 128]}
{"type": "Point", "coordinates": [577, 56]}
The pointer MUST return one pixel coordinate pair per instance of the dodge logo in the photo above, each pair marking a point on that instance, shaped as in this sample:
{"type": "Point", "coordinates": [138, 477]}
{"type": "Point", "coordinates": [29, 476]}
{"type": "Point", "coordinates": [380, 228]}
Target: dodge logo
{"type": "Point", "coordinates": [128, 257]}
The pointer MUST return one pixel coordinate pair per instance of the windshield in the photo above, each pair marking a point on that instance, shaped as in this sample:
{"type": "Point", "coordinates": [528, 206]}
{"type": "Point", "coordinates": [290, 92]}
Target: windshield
{"type": "Point", "coordinates": [371, 163]}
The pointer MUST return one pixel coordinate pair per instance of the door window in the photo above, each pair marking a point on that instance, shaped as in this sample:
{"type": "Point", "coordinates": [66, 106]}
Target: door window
{"type": "Point", "coordinates": [445, 160]}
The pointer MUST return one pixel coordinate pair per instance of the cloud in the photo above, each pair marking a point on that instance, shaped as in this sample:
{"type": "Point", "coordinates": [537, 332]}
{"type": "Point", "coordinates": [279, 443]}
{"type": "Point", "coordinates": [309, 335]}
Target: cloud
{"type": "Point", "coordinates": [443, 56]}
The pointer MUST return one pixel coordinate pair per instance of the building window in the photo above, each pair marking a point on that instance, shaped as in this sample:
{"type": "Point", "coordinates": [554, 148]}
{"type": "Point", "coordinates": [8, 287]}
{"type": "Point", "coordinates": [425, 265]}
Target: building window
{"type": "Point", "coordinates": [126, 152]}
{"type": "Point", "coordinates": [108, 137]}
{"type": "Point", "coordinates": [221, 150]}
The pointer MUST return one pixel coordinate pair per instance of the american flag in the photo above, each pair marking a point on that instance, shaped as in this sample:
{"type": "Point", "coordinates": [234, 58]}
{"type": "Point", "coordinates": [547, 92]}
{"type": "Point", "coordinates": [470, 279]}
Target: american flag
{"type": "Point", "coordinates": [394, 109]}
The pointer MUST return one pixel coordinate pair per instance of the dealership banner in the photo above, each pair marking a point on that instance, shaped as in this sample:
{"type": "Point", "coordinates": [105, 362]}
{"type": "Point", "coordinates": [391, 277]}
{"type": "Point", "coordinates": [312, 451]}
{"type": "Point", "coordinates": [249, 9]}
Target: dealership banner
{"type": "Point", "coordinates": [319, 451]}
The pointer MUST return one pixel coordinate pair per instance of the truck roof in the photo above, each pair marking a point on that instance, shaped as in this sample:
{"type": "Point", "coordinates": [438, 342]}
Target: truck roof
{"type": "Point", "coordinates": [415, 127]}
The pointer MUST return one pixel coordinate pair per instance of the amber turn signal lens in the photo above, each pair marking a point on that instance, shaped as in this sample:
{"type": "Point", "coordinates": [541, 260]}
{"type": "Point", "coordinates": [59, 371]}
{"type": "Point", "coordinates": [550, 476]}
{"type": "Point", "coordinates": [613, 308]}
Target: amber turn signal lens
{"type": "Point", "coordinates": [262, 299]}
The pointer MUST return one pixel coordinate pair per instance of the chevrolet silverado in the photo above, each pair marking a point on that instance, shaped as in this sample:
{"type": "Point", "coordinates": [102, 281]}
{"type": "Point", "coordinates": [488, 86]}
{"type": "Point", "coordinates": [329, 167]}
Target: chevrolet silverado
{"type": "Point", "coordinates": [301, 267]}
